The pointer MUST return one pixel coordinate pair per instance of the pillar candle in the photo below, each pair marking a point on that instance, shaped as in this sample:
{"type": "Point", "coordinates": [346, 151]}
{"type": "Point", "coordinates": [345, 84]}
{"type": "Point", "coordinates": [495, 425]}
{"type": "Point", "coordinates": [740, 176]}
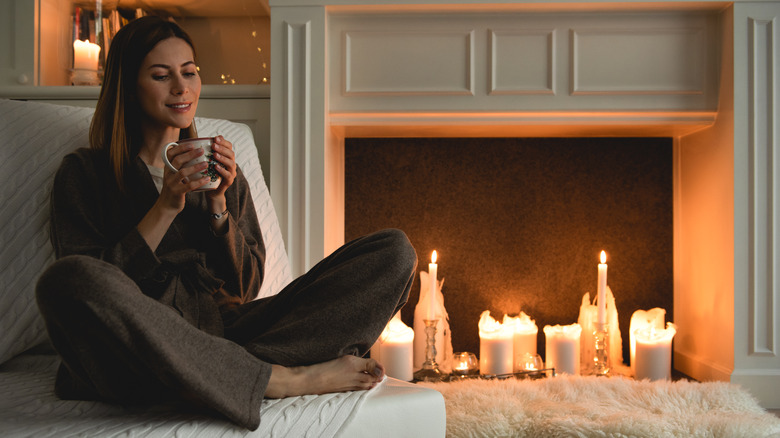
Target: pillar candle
{"type": "Point", "coordinates": [524, 331]}
{"type": "Point", "coordinates": [602, 291]}
{"type": "Point", "coordinates": [395, 349]}
{"type": "Point", "coordinates": [495, 346]}
{"type": "Point", "coordinates": [640, 320]}
{"type": "Point", "coordinates": [654, 353]}
{"type": "Point", "coordinates": [562, 348]}
{"type": "Point", "coordinates": [85, 55]}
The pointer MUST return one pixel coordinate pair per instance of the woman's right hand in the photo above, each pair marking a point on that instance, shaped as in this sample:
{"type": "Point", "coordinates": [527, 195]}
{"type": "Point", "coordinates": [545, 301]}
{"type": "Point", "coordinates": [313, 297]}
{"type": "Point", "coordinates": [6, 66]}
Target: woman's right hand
{"type": "Point", "coordinates": [159, 218]}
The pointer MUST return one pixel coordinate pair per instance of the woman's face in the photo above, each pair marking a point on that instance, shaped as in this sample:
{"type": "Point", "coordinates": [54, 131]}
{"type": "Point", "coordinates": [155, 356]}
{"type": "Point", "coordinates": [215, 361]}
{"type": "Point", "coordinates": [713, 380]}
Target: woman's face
{"type": "Point", "coordinates": [169, 85]}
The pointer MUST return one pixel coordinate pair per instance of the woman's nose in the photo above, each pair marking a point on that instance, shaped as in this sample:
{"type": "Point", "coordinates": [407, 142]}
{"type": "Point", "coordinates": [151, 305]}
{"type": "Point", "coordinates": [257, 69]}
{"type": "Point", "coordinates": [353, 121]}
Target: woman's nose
{"type": "Point", "coordinates": [178, 87]}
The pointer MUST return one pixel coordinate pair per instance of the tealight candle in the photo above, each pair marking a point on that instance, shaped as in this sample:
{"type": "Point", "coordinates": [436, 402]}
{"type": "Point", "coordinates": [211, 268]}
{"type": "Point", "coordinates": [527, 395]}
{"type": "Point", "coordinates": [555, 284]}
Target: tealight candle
{"type": "Point", "coordinates": [495, 346]}
{"type": "Point", "coordinates": [464, 364]}
{"type": "Point", "coordinates": [654, 353]}
{"type": "Point", "coordinates": [562, 345]}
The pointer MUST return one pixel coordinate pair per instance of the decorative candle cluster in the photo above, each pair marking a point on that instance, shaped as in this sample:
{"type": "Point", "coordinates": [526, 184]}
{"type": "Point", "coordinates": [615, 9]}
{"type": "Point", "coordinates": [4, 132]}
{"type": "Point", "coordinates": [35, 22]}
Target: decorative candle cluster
{"type": "Point", "coordinates": [593, 344]}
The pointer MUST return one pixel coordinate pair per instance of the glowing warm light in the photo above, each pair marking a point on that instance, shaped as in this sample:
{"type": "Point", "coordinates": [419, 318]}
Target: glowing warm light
{"type": "Point", "coordinates": [85, 55]}
{"type": "Point", "coordinates": [433, 256]}
{"type": "Point", "coordinates": [603, 257]}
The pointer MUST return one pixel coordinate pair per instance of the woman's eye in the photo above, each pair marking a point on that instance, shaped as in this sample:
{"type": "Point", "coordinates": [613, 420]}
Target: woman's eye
{"type": "Point", "coordinates": [190, 74]}
{"type": "Point", "coordinates": [159, 77]}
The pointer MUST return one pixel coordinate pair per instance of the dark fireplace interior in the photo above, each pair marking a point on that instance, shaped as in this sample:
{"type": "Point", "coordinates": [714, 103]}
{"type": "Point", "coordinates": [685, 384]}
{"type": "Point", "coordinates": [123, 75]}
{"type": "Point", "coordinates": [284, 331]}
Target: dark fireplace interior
{"type": "Point", "coordinates": [518, 223]}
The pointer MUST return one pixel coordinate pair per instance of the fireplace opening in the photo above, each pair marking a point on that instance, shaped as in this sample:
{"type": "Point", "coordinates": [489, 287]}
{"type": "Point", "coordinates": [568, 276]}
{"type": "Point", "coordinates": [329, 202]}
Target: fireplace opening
{"type": "Point", "coordinates": [518, 223]}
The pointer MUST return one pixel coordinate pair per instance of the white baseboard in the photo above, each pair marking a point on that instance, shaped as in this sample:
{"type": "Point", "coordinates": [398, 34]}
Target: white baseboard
{"type": "Point", "coordinates": [761, 383]}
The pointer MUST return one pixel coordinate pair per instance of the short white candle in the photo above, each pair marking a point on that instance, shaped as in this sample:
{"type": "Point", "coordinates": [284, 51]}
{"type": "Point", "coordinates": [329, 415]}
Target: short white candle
{"type": "Point", "coordinates": [562, 348]}
{"type": "Point", "coordinates": [395, 349]}
{"type": "Point", "coordinates": [495, 346]}
{"type": "Point", "coordinates": [432, 278]}
{"type": "Point", "coordinates": [524, 331]}
{"type": "Point", "coordinates": [602, 291]}
{"type": "Point", "coordinates": [85, 55]}
{"type": "Point", "coordinates": [654, 353]}
{"type": "Point", "coordinates": [640, 320]}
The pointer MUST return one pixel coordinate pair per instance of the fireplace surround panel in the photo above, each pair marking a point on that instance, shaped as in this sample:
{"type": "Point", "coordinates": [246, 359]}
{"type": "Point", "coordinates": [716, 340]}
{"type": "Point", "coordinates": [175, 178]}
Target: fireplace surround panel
{"type": "Point", "coordinates": [702, 73]}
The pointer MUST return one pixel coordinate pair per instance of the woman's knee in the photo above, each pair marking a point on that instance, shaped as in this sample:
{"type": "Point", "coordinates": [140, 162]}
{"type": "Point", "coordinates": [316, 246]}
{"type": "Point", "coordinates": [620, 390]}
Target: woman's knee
{"type": "Point", "coordinates": [399, 247]}
{"type": "Point", "coordinates": [71, 278]}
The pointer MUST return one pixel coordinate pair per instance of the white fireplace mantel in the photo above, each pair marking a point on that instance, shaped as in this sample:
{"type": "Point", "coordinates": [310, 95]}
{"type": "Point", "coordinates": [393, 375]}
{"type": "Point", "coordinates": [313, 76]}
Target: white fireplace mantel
{"type": "Point", "coordinates": [702, 72]}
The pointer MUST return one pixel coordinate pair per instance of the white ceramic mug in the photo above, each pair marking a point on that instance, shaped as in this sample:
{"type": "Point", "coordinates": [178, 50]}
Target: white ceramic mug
{"type": "Point", "coordinates": [205, 144]}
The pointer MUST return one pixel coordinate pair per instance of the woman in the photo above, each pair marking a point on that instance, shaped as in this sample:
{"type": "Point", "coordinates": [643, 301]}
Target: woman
{"type": "Point", "coordinates": [151, 296]}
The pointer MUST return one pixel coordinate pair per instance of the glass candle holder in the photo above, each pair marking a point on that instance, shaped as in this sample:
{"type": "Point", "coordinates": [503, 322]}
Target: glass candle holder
{"type": "Point", "coordinates": [464, 364]}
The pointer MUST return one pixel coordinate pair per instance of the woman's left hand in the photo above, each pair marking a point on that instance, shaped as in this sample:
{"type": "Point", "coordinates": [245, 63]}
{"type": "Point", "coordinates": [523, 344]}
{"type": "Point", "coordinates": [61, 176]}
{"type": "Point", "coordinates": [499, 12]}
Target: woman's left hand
{"type": "Point", "coordinates": [224, 155]}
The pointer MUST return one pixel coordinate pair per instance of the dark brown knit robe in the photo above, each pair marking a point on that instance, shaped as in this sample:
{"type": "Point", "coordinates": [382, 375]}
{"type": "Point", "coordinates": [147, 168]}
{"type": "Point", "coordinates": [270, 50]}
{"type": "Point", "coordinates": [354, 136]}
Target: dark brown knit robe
{"type": "Point", "coordinates": [133, 325]}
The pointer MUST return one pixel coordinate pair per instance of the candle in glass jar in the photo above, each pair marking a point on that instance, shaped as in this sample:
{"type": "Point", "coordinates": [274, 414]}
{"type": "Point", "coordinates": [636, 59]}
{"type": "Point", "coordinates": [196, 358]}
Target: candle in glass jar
{"type": "Point", "coordinates": [654, 353]}
{"type": "Point", "coordinates": [432, 278]}
{"type": "Point", "coordinates": [495, 346]}
{"type": "Point", "coordinates": [562, 348]}
{"type": "Point", "coordinates": [85, 55]}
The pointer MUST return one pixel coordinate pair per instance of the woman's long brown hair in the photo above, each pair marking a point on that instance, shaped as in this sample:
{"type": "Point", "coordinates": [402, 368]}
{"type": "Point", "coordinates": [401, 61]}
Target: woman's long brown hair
{"type": "Point", "coordinates": [116, 125]}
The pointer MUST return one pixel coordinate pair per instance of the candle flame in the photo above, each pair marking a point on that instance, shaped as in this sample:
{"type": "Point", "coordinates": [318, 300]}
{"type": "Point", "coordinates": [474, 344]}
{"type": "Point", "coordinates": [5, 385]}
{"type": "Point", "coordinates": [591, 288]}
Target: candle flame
{"type": "Point", "coordinates": [603, 257]}
{"type": "Point", "coordinates": [433, 256]}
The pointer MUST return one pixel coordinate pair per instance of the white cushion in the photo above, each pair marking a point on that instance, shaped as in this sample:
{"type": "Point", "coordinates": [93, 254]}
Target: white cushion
{"type": "Point", "coordinates": [35, 137]}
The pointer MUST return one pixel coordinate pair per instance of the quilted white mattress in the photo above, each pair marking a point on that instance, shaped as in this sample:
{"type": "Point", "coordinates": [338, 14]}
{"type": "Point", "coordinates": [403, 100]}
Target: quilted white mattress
{"type": "Point", "coordinates": [29, 408]}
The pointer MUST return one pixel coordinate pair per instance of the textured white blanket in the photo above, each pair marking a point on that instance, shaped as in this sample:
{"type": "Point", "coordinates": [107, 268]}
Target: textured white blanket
{"type": "Point", "coordinates": [567, 406]}
{"type": "Point", "coordinates": [29, 408]}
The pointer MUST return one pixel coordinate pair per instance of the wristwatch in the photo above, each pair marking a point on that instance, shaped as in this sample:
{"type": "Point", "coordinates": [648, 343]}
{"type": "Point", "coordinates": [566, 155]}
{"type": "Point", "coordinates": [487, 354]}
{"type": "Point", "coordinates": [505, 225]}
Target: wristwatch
{"type": "Point", "coordinates": [218, 216]}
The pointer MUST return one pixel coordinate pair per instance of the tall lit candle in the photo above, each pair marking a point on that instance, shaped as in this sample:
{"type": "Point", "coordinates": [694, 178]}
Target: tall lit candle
{"type": "Point", "coordinates": [602, 291]}
{"type": "Point", "coordinates": [85, 55]}
{"type": "Point", "coordinates": [432, 278]}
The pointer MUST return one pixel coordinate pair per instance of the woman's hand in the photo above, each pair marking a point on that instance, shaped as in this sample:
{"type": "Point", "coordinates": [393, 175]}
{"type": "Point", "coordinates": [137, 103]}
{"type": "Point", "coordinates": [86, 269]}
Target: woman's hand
{"type": "Point", "coordinates": [187, 179]}
{"type": "Point", "coordinates": [226, 167]}
{"type": "Point", "coordinates": [224, 155]}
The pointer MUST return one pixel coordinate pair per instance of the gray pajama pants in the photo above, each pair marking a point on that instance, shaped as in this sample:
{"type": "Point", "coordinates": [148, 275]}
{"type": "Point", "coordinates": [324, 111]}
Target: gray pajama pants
{"type": "Point", "coordinates": [120, 345]}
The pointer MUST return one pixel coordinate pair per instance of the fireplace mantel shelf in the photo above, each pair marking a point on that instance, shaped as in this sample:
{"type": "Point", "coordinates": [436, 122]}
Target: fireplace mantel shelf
{"type": "Point", "coordinates": [521, 124]}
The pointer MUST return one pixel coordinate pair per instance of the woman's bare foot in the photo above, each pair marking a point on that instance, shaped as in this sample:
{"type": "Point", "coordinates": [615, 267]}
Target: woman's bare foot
{"type": "Point", "coordinates": [347, 373]}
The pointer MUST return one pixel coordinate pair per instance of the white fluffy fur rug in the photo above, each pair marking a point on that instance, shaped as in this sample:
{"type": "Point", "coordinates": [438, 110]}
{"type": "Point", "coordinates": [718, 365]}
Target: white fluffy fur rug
{"type": "Point", "coordinates": [568, 406]}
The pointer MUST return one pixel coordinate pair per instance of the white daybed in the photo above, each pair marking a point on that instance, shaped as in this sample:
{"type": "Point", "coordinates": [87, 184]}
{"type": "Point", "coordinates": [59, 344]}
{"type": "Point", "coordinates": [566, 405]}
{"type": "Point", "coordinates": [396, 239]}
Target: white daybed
{"type": "Point", "coordinates": [35, 137]}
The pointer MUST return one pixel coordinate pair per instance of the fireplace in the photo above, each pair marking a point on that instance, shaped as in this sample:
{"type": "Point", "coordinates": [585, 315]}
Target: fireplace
{"type": "Point", "coordinates": [699, 73]}
{"type": "Point", "coordinates": [518, 223]}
